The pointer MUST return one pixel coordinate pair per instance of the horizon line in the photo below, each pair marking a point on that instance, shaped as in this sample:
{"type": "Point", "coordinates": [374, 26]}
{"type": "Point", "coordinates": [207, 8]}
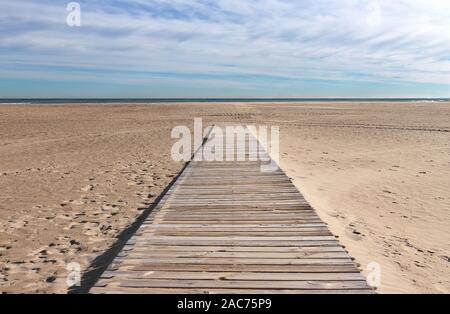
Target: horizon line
{"type": "Point", "coordinates": [223, 98]}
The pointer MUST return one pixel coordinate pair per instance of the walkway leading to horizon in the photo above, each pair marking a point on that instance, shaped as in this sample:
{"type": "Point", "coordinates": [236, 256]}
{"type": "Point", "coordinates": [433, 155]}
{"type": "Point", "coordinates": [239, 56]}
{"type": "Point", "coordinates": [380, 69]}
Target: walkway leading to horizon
{"type": "Point", "coordinates": [228, 227]}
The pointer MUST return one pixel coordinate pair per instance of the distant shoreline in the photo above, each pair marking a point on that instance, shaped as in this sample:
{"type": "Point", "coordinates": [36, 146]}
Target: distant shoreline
{"type": "Point", "coordinates": [29, 101]}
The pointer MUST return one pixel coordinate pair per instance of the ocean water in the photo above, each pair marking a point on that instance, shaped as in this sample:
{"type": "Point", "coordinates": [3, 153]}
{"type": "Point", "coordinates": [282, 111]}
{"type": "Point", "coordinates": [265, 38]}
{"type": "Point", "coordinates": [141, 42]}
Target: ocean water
{"type": "Point", "coordinates": [206, 100]}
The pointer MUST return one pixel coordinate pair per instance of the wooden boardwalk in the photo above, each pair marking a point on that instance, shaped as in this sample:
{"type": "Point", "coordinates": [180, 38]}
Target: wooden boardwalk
{"type": "Point", "coordinates": [228, 227]}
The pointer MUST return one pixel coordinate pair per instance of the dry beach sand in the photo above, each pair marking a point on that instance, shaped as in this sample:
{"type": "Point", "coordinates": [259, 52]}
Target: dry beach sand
{"type": "Point", "coordinates": [72, 177]}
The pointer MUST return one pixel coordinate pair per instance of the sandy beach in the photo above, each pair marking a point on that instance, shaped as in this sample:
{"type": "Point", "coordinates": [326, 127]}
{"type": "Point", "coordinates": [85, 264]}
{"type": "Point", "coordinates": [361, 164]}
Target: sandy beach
{"type": "Point", "coordinates": [72, 177]}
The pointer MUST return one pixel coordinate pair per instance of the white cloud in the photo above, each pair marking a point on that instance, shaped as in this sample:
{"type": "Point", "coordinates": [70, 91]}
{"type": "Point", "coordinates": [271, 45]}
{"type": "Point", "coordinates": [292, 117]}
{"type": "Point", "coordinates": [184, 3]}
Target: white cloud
{"type": "Point", "coordinates": [320, 40]}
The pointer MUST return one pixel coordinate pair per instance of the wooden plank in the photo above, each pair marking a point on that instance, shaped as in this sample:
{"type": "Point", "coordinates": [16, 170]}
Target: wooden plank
{"type": "Point", "coordinates": [123, 290]}
{"type": "Point", "coordinates": [227, 227]}
{"type": "Point", "coordinates": [241, 221]}
{"type": "Point", "coordinates": [242, 284]}
{"type": "Point", "coordinates": [237, 239]}
{"type": "Point", "coordinates": [260, 233]}
{"type": "Point", "coordinates": [175, 241]}
{"type": "Point", "coordinates": [241, 228]}
{"type": "Point", "coordinates": [269, 227]}
{"type": "Point", "coordinates": [271, 249]}
{"type": "Point", "coordinates": [254, 276]}
{"type": "Point", "coordinates": [320, 268]}
{"type": "Point", "coordinates": [162, 254]}
{"type": "Point", "coordinates": [233, 261]}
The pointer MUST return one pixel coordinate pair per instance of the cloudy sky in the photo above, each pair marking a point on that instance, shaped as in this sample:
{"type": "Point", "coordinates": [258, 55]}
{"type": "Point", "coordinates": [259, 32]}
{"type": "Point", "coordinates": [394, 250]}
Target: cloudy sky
{"type": "Point", "coordinates": [226, 48]}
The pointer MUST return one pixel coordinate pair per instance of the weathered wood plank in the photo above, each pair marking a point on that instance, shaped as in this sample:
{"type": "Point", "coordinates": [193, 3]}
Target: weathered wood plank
{"type": "Point", "coordinates": [233, 261]}
{"type": "Point", "coordinates": [254, 276]}
{"type": "Point", "coordinates": [123, 290]}
{"type": "Point", "coordinates": [281, 243]}
{"type": "Point", "coordinates": [322, 268]}
{"type": "Point", "coordinates": [228, 227]}
{"type": "Point", "coordinates": [242, 284]}
{"type": "Point", "coordinates": [271, 249]}
{"type": "Point", "coordinates": [266, 255]}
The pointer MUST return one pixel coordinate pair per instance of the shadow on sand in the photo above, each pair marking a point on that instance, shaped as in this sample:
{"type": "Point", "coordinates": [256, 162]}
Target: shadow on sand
{"type": "Point", "coordinates": [101, 262]}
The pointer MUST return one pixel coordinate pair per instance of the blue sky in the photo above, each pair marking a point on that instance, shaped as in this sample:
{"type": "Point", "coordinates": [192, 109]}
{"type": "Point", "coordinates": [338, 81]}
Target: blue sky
{"type": "Point", "coordinates": [226, 48]}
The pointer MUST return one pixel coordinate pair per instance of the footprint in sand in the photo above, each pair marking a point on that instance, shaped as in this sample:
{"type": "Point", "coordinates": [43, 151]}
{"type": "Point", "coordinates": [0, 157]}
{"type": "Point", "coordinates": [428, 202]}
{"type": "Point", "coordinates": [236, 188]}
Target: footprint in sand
{"type": "Point", "coordinates": [87, 188]}
{"type": "Point", "coordinates": [333, 214]}
{"type": "Point", "coordinates": [354, 233]}
{"type": "Point", "coordinates": [113, 209]}
{"type": "Point", "coordinates": [18, 224]}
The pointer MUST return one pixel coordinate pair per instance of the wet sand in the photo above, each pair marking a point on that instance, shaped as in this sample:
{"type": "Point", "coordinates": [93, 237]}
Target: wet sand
{"type": "Point", "coordinates": [74, 176]}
